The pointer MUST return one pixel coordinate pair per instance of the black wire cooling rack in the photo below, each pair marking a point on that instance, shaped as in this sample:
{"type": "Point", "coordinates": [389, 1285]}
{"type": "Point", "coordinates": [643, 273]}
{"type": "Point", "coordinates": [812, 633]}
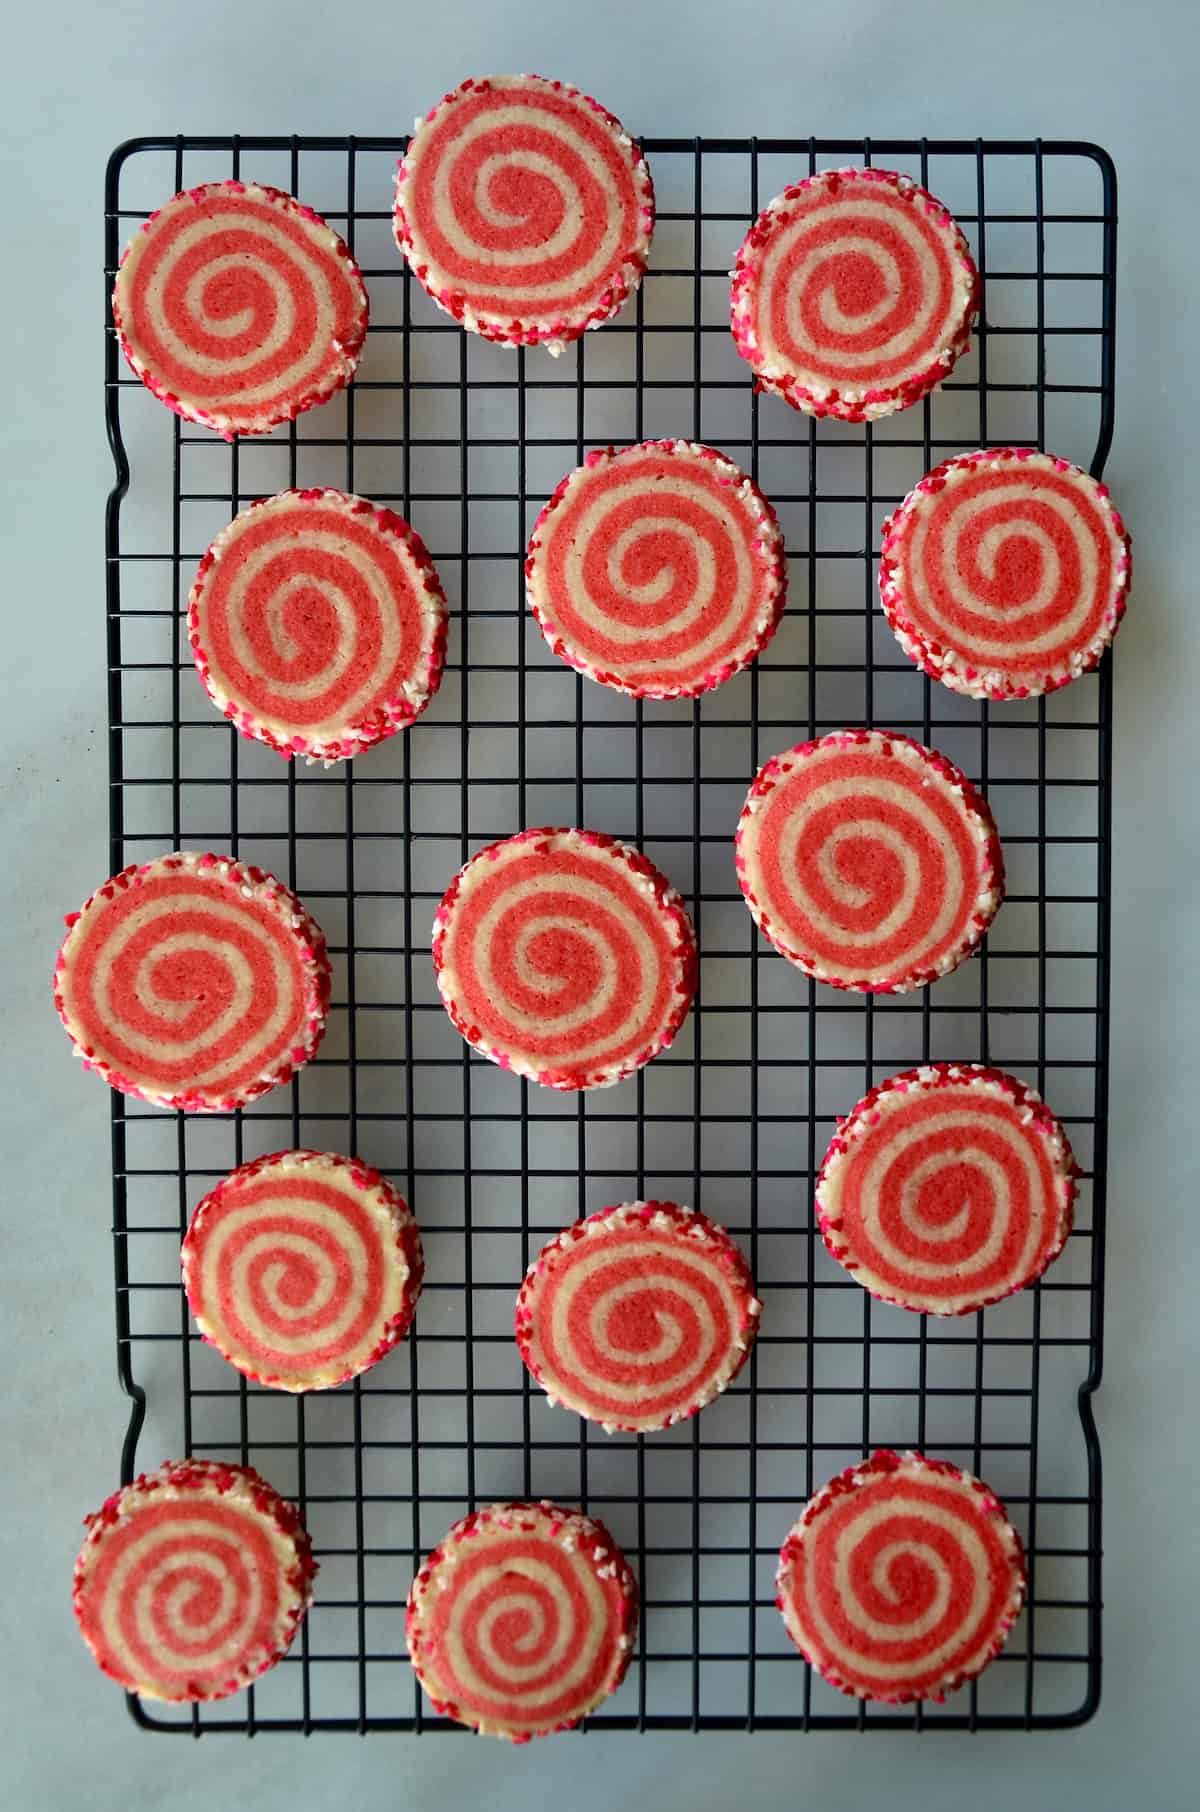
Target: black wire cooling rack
{"type": "Point", "coordinates": [467, 440]}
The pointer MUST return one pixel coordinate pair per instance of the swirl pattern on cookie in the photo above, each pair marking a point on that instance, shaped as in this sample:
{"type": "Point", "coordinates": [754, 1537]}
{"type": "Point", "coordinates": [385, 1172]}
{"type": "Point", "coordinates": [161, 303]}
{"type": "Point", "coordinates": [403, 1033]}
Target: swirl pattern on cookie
{"type": "Point", "coordinates": [522, 1620]}
{"type": "Point", "coordinates": [318, 623]}
{"type": "Point", "coordinates": [637, 1316]}
{"type": "Point", "coordinates": [854, 293]}
{"type": "Point", "coordinates": [192, 1581]}
{"type": "Point", "coordinates": [657, 570]}
{"type": "Point", "coordinates": [565, 956]}
{"type": "Point", "coordinates": [193, 981]}
{"type": "Point", "coordinates": [303, 1268]}
{"type": "Point", "coordinates": [947, 1188]}
{"type": "Point", "coordinates": [869, 861]}
{"type": "Point", "coordinates": [1005, 573]}
{"type": "Point", "coordinates": [524, 209]}
{"type": "Point", "coordinates": [239, 308]}
{"type": "Point", "coordinates": [902, 1578]}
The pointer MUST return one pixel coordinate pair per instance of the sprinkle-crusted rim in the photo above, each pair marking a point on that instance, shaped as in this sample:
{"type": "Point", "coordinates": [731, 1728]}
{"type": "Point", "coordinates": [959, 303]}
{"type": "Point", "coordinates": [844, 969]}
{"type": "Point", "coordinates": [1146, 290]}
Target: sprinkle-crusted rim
{"type": "Point", "coordinates": [384, 720]}
{"type": "Point", "coordinates": [668, 901]}
{"type": "Point", "coordinates": [552, 332]}
{"type": "Point", "coordinates": [938, 659]}
{"type": "Point", "coordinates": [204, 1478]}
{"type": "Point", "coordinates": [641, 1217]}
{"type": "Point", "coordinates": [573, 1530]}
{"type": "Point", "coordinates": [852, 404]}
{"type": "Point", "coordinates": [772, 568]}
{"type": "Point", "coordinates": [217, 419]}
{"type": "Point", "coordinates": [862, 1119]}
{"type": "Point", "coordinates": [975, 808]}
{"type": "Point", "coordinates": [881, 1464]}
{"type": "Point", "coordinates": [249, 882]}
{"type": "Point", "coordinates": [407, 1243]}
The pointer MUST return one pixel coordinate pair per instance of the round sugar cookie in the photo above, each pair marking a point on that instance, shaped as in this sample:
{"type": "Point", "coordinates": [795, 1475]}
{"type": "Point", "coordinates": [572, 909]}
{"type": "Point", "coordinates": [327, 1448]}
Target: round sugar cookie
{"type": "Point", "coordinates": [525, 209]}
{"type": "Point", "coordinates": [318, 623]}
{"type": "Point", "coordinates": [869, 861]}
{"type": "Point", "coordinates": [947, 1188]}
{"type": "Point", "coordinates": [192, 1581]}
{"type": "Point", "coordinates": [303, 1268]}
{"type": "Point", "coordinates": [902, 1578]}
{"type": "Point", "coordinates": [657, 570]}
{"type": "Point", "coordinates": [637, 1316]}
{"type": "Point", "coordinates": [239, 307]}
{"type": "Point", "coordinates": [1005, 573]}
{"type": "Point", "coordinates": [565, 956]}
{"type": "Point", "coordinates": [854, 294]}
{"type": "Point", "coordinates": [522, 1620]}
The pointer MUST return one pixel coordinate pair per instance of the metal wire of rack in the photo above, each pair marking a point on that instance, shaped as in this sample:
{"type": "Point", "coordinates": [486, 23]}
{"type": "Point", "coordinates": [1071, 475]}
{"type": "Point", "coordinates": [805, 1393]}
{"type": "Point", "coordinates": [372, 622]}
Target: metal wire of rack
{"type": "Point", "coordinates": [467, 440]}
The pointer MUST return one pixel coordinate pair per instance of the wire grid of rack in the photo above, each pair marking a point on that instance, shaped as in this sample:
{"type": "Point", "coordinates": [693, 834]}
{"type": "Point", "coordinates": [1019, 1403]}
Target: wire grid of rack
{"type": "Point", "coordinates": [467, 440]}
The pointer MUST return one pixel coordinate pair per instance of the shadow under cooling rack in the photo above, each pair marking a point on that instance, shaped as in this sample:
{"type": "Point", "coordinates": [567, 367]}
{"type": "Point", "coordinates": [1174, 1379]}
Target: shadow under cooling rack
{"type": "Point", "coordinates": [467, 440]}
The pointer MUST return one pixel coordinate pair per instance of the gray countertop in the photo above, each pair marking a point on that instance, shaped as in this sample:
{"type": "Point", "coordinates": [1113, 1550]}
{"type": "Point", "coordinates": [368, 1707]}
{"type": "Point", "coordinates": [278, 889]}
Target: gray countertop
{"type": "Point", "coordinates": [80, 79]}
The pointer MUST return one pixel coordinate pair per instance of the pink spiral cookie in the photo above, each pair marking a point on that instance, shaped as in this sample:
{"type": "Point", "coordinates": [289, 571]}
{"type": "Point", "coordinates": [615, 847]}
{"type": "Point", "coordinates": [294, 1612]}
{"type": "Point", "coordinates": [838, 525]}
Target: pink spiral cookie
{"type": "Point", "coordinates": [854, 293]}
{"type": "Point", "coordinates": [192, 1581]}
{"type": "Point", "coordinates": [523, 1620]}
{"type": "Point", "coordinates": [869, 861]}
{"type": "Point", "coordinates": [658, 570]}
{"type": "Point", "coordinates": [193, 981]}
{"type": "Point", "coordinates": [318, 624]}
{"type": "Point", "coordinates": [303, 1268]}
{"type": "Point", "coordinates": [239, 308]}
{"type": "Point", "coordinates": [947, 1188]}
{"type": "Point", "coordinates": [1005, 573]}
{"type": "Point", "coordinates": [565, 956]}
{"type": "Point", "coordinates": [525, 209]}
{"type": "Point", "coordinates": [637, 1316]}
{"type": "Point", "coordinates": [902, 1579]}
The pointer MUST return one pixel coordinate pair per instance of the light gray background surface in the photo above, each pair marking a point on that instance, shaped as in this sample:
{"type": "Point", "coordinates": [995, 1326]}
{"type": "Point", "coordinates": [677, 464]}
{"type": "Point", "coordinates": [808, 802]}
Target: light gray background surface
{"type": "Point", "coordinates": [82, 77]}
